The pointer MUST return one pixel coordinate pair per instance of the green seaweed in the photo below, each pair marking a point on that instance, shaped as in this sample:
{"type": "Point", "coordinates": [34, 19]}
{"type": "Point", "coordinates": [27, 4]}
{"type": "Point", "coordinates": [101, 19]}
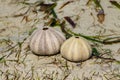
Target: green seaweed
{"type": "Point", "coordinates": [97, 2]}
{"type": "Point", "coordinates": [54, 13]}
{"type": "Point", "coordinates": [95, 52]}
{"type": "Point", "coordinates": [115, 4]}
{"type": "Point", "coordinates": [31, 31]}
{"type": "Point", "coordinates": [104, 41]}
{"type": "Point", "coordinates": [2, 58]}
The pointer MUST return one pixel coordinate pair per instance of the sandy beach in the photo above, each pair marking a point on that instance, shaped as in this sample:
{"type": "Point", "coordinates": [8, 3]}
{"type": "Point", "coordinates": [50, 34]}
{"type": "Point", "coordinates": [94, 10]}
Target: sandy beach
{"type": "Point", "coordinates": [17, 61]}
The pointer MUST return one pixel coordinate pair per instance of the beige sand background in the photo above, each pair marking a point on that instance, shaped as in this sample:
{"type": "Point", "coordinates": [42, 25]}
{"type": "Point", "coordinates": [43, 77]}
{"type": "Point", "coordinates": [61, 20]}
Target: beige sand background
{"type": "Point", "coordinates": [20, 64]}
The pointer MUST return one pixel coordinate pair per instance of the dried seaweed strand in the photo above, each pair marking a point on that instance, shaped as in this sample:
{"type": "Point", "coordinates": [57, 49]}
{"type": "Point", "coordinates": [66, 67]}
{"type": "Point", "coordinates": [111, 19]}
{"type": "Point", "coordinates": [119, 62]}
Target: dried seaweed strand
{"type": "Point", "coordinates": [65, 4]}
{"type": "Point", "coordinates": [115, 4]}
{"type": "Point", "coordinates": [108, 59]}
{"type": "Point", "coordinates": [96, 40]}
{"type": "Point", "coordinates": [97, 2]}
{"type": "Point", "coordinates": [70, 21]}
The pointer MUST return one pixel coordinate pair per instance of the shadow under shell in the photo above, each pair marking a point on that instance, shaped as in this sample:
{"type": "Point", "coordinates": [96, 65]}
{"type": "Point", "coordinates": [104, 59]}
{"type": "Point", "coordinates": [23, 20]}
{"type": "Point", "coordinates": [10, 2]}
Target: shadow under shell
{"type": "Point", "coordinates": [46, 54]}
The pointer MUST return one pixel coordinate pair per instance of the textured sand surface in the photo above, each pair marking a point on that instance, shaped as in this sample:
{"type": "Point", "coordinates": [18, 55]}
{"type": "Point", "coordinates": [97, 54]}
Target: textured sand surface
{"type": "Point", "coordinates": [20, 64]}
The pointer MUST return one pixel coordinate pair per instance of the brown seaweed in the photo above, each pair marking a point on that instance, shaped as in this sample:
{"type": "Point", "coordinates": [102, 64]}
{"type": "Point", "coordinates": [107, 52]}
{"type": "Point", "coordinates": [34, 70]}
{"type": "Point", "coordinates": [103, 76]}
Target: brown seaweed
{"type": "Point", "coordinates": [70, 21]}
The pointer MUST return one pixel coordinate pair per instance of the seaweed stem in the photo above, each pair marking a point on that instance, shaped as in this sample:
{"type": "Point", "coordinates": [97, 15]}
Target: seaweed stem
{"type": "Point", "coordinates": [105, 41]}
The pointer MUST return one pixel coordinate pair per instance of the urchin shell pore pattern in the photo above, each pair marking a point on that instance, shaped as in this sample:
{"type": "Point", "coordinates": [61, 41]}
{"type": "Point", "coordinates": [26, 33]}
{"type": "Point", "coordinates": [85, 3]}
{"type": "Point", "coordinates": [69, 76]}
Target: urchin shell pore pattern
{"type": "Point", "coordinates": [46, 41]}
